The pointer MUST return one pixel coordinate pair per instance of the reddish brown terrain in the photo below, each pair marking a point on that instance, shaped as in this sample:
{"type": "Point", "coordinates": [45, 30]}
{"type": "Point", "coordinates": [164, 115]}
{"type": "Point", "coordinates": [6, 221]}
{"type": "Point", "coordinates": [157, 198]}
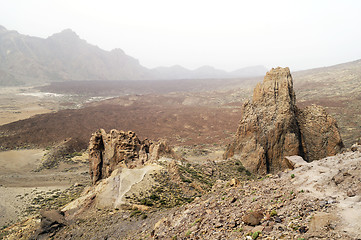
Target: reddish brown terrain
{"type": "Point", "coordinates": [183, 117]}
{"type": "Point", "coordinates": [151, 116]}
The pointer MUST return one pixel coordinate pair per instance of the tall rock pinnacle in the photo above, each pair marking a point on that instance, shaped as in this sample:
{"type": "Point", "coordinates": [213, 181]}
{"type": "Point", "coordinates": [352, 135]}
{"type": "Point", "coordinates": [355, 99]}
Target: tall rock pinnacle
{"type": "Point", "coordinates": [270, 127]}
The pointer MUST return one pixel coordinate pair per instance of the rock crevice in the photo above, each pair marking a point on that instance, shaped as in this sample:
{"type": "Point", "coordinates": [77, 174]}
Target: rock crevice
{"type": "Point", "coordinates": [272, 127]}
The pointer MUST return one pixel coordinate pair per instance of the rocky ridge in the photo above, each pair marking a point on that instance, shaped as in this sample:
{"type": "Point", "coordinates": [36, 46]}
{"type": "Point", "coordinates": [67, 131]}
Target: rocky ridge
{"type": "Point", "coordinates": [272, 127]}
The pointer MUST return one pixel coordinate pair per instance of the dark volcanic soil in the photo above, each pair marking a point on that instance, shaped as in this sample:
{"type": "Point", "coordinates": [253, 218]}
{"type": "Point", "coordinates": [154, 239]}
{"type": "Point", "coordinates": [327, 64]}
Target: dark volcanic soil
{"type": "Point", "coordinates": [153, 117]}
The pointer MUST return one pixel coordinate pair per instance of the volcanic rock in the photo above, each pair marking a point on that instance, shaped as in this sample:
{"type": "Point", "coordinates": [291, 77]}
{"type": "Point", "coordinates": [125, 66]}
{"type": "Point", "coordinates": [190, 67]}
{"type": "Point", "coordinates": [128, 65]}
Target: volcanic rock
{"type": "Point", "coordinates": [319, 133]}
{"type": "Point", "coordinates": [51, 221]}
{"type": "Point", "coordinates": [294, 162]}
{"type": "Point", "coordinates": [253, 218]}
{"type": "Point", "coordinates": [119, 149]}
{"type": "Point", "coordinates": [272, 127]}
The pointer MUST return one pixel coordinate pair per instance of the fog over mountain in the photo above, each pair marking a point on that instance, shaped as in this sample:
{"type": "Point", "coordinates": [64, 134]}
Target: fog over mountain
{"type": "Point", "coordinates": [65, 57]}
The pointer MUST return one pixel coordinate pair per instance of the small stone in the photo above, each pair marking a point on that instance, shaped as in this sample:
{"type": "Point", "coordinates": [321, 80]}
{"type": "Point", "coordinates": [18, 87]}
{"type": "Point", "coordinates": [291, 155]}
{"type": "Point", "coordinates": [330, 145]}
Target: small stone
{"type": "Point", "coordinates": [355, 147]}
{"type": "Point", "coordinates": [258, 229]}
{"type": "Point", "coordinates": [233, 182]}
{"type": "Point", "coordinates": [303, 229]}
{"type": "Point", "coordinates": [233, 224]}
{"type": "Point", "coordinates": [208, 171]}
{"type": "Point", "coordinates": [351, 193]}
{"type": "Point", "coordinates": [218, 225]}
{"type": "Point", "coordinates": [277, 219]}
{"type": "Point", "coordinates": [322, 203]}
{"type": "Point", "coordinates": [268, 229]}
{"type": "Point", "coordinates": [253, 218]}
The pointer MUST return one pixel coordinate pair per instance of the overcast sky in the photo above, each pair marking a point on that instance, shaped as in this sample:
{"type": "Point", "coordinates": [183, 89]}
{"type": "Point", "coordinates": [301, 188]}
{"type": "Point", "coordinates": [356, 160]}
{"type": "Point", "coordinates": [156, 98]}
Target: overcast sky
{"type": "Point", "coordinates": [226, 34]}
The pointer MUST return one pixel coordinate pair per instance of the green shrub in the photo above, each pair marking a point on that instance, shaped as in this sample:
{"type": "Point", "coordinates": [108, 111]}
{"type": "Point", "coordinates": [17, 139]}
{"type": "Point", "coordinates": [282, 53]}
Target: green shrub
{"type": "Point", "coordinates": [273, 213]}
{"type": "Point", "coordinates": [146, 202]}
{"type": "Point", "coordinates": [154, 197]}
{"type": "Point", "coordinates": [135, 213]}
{"type": "Point", "coordinates": [255, 235]}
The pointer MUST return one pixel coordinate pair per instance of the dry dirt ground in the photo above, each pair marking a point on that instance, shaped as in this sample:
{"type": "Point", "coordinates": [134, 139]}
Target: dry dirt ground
{"type": "Point", "coordinates": [20, 183]}
{"type": "Point", "coordinates": [150, 116]}
{"type": "Point", "coordinates": [17, 104]}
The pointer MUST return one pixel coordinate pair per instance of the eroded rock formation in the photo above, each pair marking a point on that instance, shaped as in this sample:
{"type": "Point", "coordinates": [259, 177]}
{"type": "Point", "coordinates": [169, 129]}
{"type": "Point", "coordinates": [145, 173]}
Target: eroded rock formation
{"type": "Point", "coordinates": [272, 127]}
{"type": "Point", "coordinates": [109, 151]}
{"type": "Point", "coordinates": [319, 133]}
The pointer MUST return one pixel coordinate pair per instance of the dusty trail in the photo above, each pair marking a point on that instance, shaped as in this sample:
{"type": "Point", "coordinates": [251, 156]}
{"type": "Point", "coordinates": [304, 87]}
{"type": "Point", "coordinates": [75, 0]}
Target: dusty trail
{"type": "Point", "coordinates": [337, 180]}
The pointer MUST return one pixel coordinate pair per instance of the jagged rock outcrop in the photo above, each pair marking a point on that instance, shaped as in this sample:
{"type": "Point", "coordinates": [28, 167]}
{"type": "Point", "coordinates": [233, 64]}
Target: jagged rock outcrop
{"type": "Point", "coordinates": [319, 133]}
{"type": "Point", "coordinates": [272, 127]}
{"type": "Point", "coordinates": [109, 151]}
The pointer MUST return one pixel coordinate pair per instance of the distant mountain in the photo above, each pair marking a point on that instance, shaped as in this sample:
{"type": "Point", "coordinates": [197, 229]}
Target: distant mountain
{"type": "Point", "coordinates": [61, 57]}
{"type": "Point", "coordinates": [173, 72]}
{"type": "Point", "coordinates": [65, 57]}
{"type": "Point", "coordinates": [209, 72]}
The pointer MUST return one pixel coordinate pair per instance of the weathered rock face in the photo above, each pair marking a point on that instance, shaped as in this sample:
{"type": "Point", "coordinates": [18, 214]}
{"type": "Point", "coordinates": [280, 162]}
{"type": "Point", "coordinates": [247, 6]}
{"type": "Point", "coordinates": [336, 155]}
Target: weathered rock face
{"type": "Point", "coordinates": [268, 130]}
{"type": "Point", "coordinates": [319, 133]}
{"type": "Point", "coordinates": [272, 127]}
{"type": "Point", "coordinates": [109, 151]}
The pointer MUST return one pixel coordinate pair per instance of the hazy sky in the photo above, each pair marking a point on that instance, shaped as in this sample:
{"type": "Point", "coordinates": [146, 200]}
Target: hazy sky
{"type": "Point", "coordinates": [227, 34]}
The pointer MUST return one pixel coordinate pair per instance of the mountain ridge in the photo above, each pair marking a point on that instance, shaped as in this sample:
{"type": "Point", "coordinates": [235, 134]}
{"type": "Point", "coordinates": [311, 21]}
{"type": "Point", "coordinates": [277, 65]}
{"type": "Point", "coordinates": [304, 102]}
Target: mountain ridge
{"type": "Point", "coordinates": [64, 56]}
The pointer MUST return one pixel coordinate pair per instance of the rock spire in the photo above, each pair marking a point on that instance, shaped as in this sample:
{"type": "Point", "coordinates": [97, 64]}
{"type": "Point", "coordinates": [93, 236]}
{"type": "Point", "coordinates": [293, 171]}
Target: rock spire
{"type": "Point", "coordinates": [272, 127]}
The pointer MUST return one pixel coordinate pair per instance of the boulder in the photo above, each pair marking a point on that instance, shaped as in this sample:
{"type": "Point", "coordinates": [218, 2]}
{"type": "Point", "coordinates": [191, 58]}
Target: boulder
{"type": "Point", "coordinates": [295, 162]}
{"type": "Point", "coordinates": [272, 127]}
{"type": "Point", "coordinates": [51, 221]}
